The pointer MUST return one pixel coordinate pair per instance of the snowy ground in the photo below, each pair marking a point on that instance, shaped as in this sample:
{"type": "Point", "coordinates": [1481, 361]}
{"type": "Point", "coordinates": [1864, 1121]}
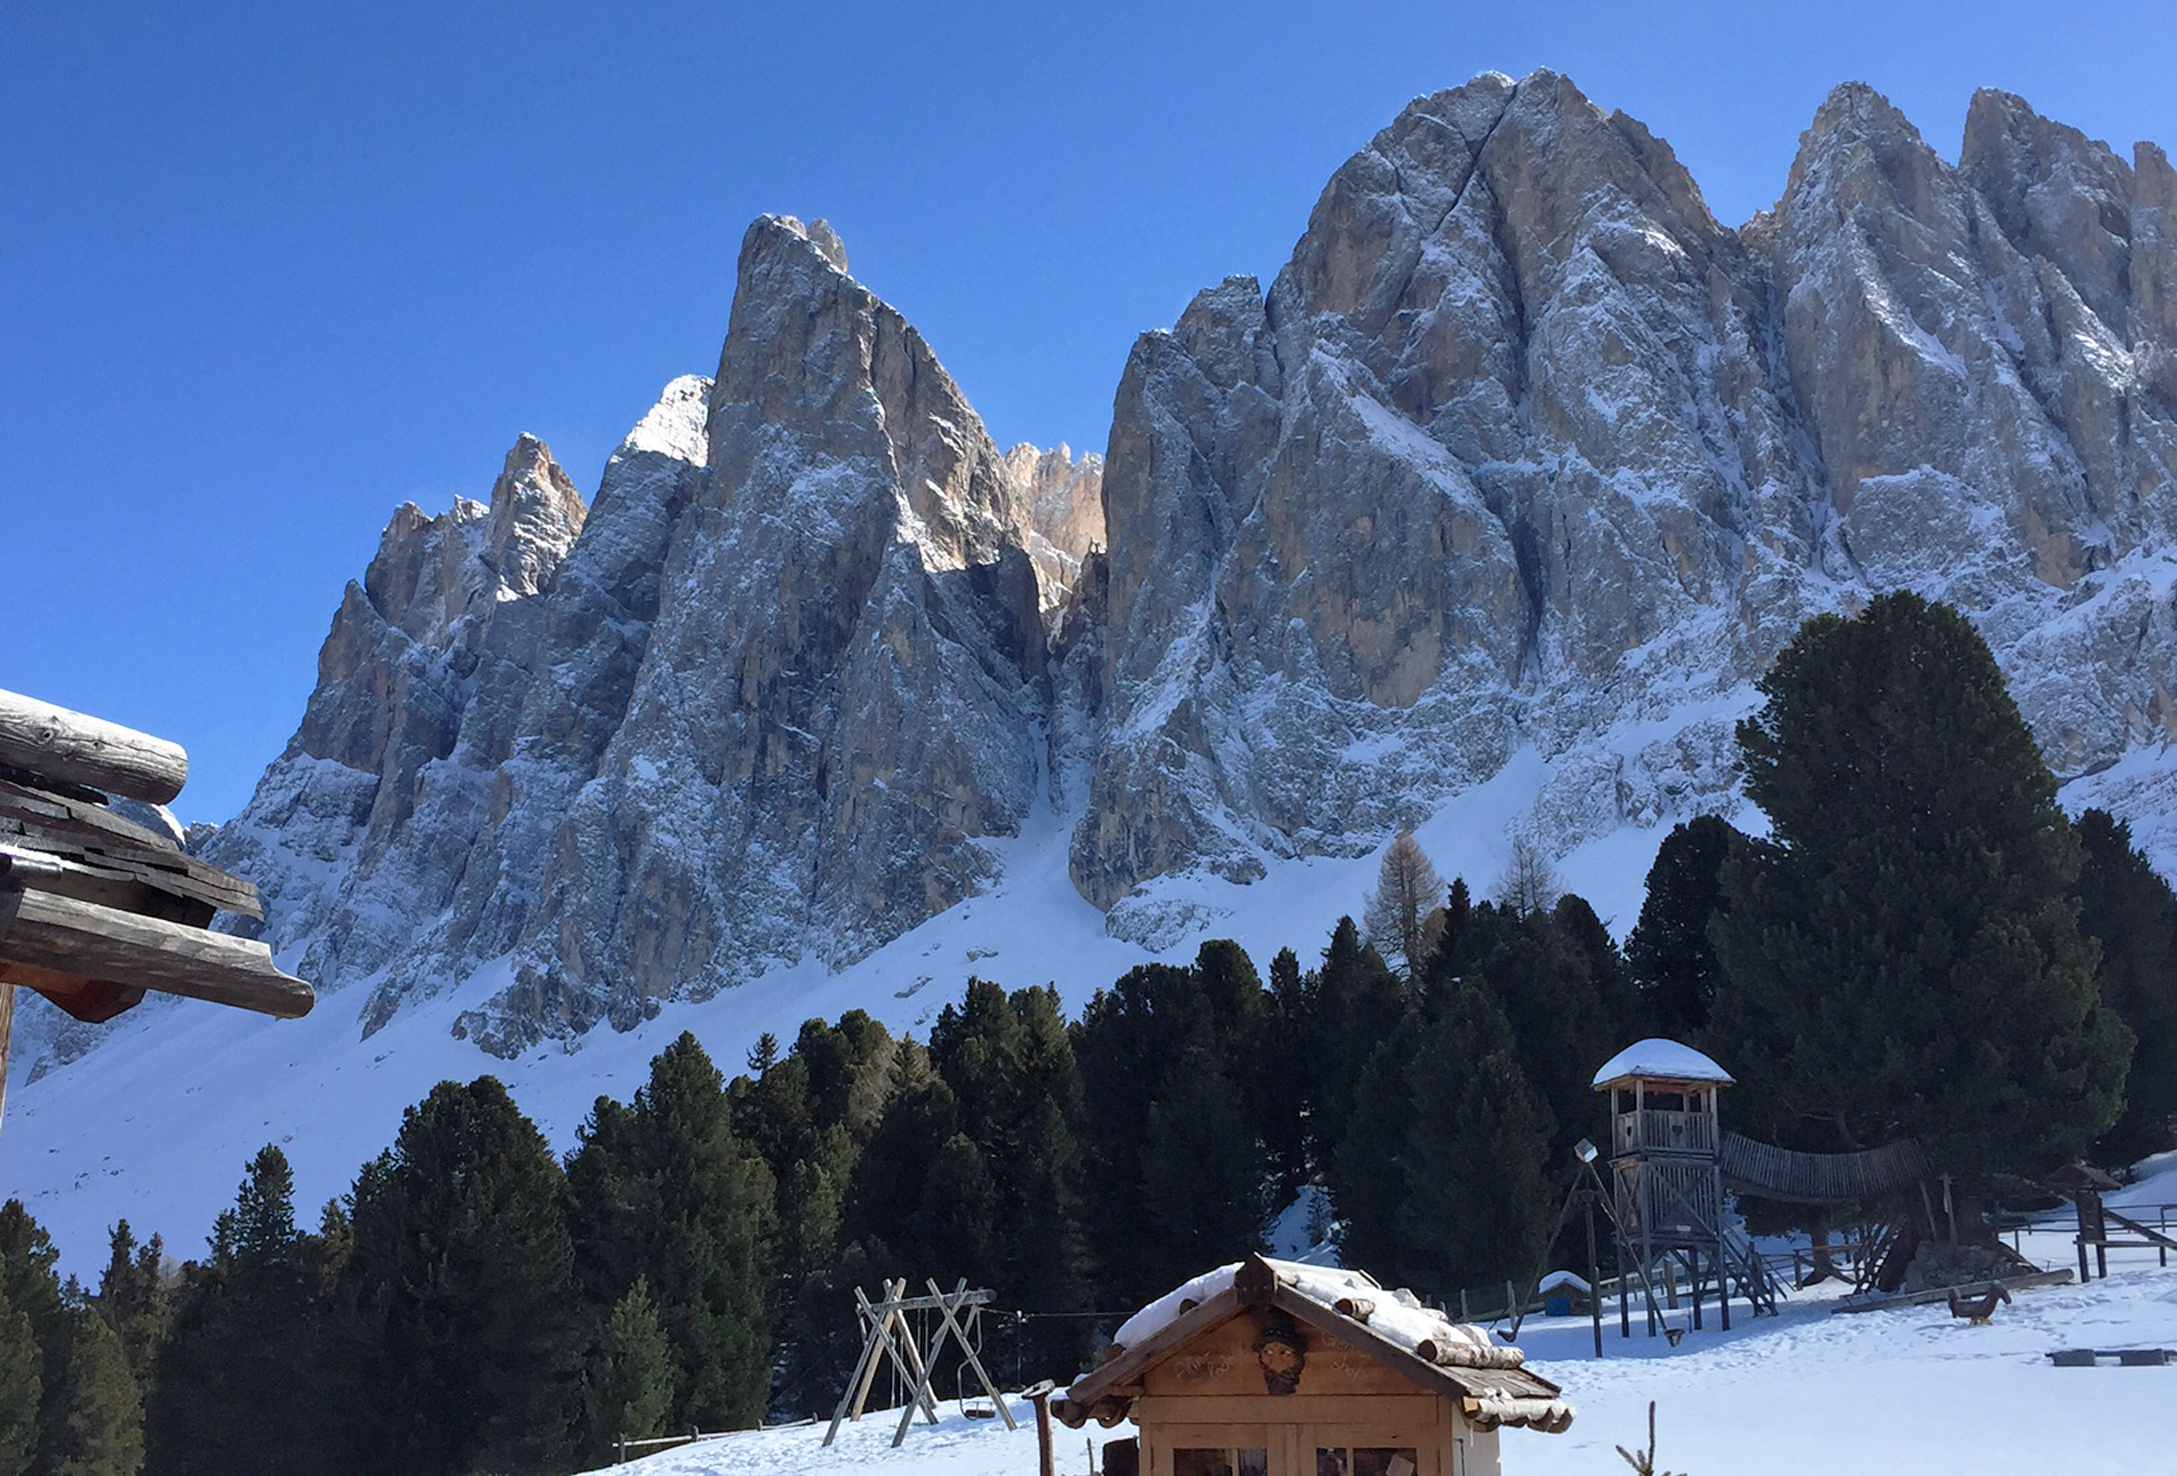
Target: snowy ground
{"type": "Point", "coordinates": [1902, 1389]}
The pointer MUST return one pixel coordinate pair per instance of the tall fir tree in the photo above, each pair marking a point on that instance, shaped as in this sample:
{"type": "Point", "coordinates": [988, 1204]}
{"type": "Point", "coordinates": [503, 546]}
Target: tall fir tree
{"type": "Point", "coordinates": [1358, 1005]}
{"type": "Point", "coordinates": [1673, 961]}
{"type": "Point", "coordinates": [1474, 1167]}
{"type": "Point", "coordinates": [665, 1191]}
{"type": "Point", "coordinates": [88, 1417]}
{"type": "Point", "coordinates": [102, 1429]}
{"type": "Point", "coordinates": [462, 1281]}
{"type": "Point", "coordinates": [1293, 1061]}
{"type": "Point", "coordinates": [238, 1381]}
{"type": "Point", "coordinates": [132, 1298]}
{"type": "Point", "coordinates": [2126, 907]}
{"type": "Point", "coordinates": [628, 1388]}
{"type": "Point", "coordinates": [22, 1382]}
{"type": "Point", "coordinates": [1202, 1196]}
{"type": "Point", "coordinates": [1009, 1062]}
{"type": "Point", "coordinates": [1366, 1172]}
{"type": "Point", "coordinates": [1902, 957]}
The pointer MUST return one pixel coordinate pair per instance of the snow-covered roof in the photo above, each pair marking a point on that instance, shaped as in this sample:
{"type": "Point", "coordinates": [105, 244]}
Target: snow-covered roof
{"type": "Point", "coordinates": [1657, 1056]}
{"type": "Point", "coordinates": [1395, 1325]}
{"type": "Point", "coordinates": [1557, 1279]}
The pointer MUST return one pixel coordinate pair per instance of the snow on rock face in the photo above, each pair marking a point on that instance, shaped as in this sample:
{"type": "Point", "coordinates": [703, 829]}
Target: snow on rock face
{"type": "Point", "coordinates": [1522, 447]}
{"type": "Point", "coordinates": [770, 699]}
{"type": "Point", "coordinates": [1499, 459]}
{"type": "Point", "coordinates": [1521, 453]}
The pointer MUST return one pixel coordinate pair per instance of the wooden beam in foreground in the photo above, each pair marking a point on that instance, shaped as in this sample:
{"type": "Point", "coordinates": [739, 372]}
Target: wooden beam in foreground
{"type": "Point", "coordinates": [55, 743]}
{"type": "Point", "coordinates": [68, 936]}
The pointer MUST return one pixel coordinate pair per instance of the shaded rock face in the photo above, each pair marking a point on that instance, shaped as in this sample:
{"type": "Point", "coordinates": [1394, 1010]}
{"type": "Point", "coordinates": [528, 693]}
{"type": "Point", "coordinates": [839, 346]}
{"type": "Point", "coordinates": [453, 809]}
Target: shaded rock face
{"type": "Point", "coordinates": [770, 694]}
{"type": "Point", "coordinates": [1521, 452]}
{"type": "Point", "coordinates": [1060, 505]}
{"type": "Point", "coordinates": [1523, 448]}
{"type": "Point", "coordinates": [842, 694]}
{"type": "Point", "coordinates": [1499, 456]}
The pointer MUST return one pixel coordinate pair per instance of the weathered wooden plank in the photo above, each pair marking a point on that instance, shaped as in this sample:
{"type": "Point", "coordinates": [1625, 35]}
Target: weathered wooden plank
{"type": "Point", "coordinates": [96, 838]}
{"type": "Point", "coordinates": [71, 936]}
{"type": "Point", "coordinates": [1305, 1409]}
{"type": "Point", "coordinates": [77, 748]}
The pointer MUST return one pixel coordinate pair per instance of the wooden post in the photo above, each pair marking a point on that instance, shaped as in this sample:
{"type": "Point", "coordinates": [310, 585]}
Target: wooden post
{"type": "Point", "coordinates": [1039, 1395]}
{"type": "Point", "coordinates": [1594, 1279]}
{"type": "Point", "coordinates": [11, 898]}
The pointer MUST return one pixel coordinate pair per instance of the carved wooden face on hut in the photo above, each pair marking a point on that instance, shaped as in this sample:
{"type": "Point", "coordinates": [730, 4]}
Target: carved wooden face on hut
{"type": "Point", "coordinates": [1282, 1352]}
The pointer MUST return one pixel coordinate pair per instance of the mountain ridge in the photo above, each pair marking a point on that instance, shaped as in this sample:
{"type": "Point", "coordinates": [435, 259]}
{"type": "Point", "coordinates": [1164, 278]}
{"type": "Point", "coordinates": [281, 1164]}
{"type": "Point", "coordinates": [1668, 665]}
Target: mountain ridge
{"type": "Point", "coordinates": [1481, 519]}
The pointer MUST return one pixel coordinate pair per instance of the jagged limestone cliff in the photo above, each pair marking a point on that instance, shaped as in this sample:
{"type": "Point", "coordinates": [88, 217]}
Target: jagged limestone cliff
{"type": "Point", "coordinates": [1521, 451]}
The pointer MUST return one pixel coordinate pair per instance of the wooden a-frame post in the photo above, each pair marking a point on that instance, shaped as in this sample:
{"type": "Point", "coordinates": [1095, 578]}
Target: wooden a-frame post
{"type": "Point", "coordinates": [886, 1331]}
{"type": "Point", "coordinates": [946, 1306]}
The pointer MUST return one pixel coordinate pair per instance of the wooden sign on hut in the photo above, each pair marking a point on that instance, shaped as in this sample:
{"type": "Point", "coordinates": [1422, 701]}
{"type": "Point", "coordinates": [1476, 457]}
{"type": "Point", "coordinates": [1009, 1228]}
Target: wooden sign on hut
{"type": "Point", "coordinates": [96, 907]}
{"type": "Point", "coordinates": [1269, 1368]}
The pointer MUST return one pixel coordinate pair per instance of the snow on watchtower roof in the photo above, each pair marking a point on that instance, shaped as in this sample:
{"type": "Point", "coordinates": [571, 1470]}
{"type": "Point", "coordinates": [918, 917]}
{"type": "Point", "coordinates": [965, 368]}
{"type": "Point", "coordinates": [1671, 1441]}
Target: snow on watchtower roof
{"type": "Point", "coordinates": [1657, 1056]}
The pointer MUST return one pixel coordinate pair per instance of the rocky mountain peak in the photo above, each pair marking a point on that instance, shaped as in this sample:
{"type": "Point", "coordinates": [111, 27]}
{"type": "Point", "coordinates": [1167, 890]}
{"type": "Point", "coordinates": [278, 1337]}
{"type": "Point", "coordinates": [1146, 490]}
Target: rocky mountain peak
{"type": "Point", "coordinates": [1521, 458]}
{"type": "Point", "coordinates": [817, 233]}
{"type": "Point", "coordinates": [536, 514]}
{"type": "Point", "coordinates": [1059, 500]}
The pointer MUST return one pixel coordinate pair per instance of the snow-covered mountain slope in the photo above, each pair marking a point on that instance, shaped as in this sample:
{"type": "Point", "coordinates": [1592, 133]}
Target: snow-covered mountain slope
{"type": "Point", "coordinates": [1482, 519]}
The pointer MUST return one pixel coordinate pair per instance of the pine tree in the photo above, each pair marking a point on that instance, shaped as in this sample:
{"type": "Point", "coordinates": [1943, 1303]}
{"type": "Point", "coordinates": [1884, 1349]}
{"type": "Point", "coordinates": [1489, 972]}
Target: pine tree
{"type": "Point", "coordinates": [1562, 1019]}
{"type": "Point", "coordinates": [628, 1390]}
{"type": "Point", "coordinates": [1476, 1201]}
{"type": "Point", "coordinates": [665, 1191]}
{"type": "Point", "coordinates": [1366, 1172]}
{"type": "Point", "coordinates": [1286, 1111]}
{"type": "Point", "coordinates": [29, 1284]}
{"type": "Point", "coordinates": [1407, 887]}
{"type": "Point", "coordinates": [132, 1299]}
{"type": "Point", "coordinates": [102, 1422]}
{"type": "Point", "coordinates": [2126, 906]}
{"type": "Point", "coordinates": [1359, 1004]}
{"type": "Point", "coordinates": [236, 1382]}
{"type": "Point", "coordinates": [1009, 1062]}
{"type": "Point", "coordinates": [462, 1279]}
{"type": "Point", "coordinates": [1202, 1195]}
{"type": "Point", "coordinates": [1902, 957]}
{"type": "Point", "coordinates": [1673, 962]}
{"type": "Point", "coordinates": [22, 1382]}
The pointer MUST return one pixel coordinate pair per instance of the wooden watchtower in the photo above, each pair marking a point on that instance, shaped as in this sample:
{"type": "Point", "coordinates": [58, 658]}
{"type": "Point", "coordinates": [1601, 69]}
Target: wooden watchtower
{"type": "Point", "coordinates": [1666, 1161]}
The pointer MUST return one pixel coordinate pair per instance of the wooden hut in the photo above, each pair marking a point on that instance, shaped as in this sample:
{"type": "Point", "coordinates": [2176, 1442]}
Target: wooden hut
{"type": "Point", "coordinates": [1268, 1368]}
{"type": "Point", "coordinates": [96, 907]}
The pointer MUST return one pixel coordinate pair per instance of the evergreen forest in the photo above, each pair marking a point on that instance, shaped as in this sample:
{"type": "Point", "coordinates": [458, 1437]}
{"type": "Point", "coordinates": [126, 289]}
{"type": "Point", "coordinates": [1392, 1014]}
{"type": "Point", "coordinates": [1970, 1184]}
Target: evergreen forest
{"type": "Point", "coordinates": [1921, 944]}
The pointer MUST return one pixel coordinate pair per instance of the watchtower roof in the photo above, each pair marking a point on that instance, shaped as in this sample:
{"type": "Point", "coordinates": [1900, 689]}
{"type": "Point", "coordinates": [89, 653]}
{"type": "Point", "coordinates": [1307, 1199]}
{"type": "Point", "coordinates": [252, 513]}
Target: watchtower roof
{"type": "Point", "coordinates": [1657, 1056]}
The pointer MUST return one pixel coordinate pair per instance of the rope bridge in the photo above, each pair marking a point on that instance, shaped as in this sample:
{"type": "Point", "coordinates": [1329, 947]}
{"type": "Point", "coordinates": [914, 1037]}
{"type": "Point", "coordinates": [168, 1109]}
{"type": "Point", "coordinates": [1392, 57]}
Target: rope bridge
{"type": "Point", "coordinates": [1820, 1178]}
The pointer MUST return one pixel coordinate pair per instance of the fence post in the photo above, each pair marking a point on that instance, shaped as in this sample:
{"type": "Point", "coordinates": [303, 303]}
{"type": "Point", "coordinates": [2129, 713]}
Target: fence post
{"type": "Point", "coordinates": [622, 1460]}
{"type": "Point", "coordinates": [1464, 1315]}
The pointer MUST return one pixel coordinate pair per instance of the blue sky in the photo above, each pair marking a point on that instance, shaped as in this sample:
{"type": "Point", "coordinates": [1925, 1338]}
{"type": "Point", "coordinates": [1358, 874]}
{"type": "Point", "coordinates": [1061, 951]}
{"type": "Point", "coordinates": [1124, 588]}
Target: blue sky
{"type": "Point", "coordinates": [267, 271]}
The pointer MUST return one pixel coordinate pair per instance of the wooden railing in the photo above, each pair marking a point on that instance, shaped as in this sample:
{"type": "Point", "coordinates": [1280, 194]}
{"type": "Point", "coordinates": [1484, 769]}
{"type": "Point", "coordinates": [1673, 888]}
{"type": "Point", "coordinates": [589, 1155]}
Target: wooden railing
{"type": "Point", "coordinates": [1653, 1130]}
